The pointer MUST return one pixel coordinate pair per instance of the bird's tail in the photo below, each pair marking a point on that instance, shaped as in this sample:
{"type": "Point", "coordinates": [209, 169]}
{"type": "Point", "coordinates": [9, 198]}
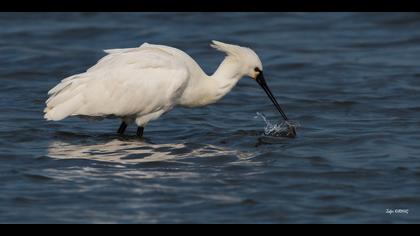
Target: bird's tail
{"type": "Point", "coordinates": [65, 99]}
{"type": "Point", "coordinates": [64, 109]}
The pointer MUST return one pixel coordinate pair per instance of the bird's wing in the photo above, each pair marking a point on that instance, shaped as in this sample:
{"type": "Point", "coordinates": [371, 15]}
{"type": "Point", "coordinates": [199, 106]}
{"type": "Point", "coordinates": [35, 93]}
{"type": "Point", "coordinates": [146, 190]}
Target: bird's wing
{"type": "Point", "coordinates": [115, 57]}
{"type": "Point", "coordinates": [123, 50]}
{"type": "Point", "coordinates": [123, 83]}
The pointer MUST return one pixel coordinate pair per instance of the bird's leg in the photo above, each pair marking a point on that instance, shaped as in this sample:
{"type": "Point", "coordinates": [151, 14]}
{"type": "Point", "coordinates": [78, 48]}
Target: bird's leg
{"type": "Point", "coordinates": [140, 130]}
{"type": "Point", "coordinates": [122, 128]}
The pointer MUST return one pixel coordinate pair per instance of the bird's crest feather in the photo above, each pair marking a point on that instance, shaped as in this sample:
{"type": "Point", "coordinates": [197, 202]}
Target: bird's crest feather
{"type": "Point", "coordinates": [229, 49]}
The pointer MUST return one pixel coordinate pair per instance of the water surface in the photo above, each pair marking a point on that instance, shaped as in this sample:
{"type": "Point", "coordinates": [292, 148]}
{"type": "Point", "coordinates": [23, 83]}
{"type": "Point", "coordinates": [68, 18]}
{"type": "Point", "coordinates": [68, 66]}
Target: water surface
{"type": "Point", "coordinates": [351, 80]}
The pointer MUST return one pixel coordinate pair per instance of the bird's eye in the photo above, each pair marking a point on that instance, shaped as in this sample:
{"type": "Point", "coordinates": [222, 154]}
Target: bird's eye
{"type": "Point", "coordinates": [256, 69]}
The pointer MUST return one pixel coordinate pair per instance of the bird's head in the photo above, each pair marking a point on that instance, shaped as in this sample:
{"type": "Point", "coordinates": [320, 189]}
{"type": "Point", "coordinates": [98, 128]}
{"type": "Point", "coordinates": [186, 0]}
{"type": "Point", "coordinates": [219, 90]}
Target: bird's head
{"type": "Point", "coordinates": [250, 65]}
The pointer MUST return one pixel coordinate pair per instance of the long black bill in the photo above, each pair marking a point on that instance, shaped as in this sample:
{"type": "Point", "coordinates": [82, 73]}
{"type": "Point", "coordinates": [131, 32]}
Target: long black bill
{"type": "Point", "coordinates": [261, 81]}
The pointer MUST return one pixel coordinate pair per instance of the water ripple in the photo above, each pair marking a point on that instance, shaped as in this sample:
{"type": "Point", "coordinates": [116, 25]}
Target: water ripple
{"type": "Point", "coordinates": [350, 79]}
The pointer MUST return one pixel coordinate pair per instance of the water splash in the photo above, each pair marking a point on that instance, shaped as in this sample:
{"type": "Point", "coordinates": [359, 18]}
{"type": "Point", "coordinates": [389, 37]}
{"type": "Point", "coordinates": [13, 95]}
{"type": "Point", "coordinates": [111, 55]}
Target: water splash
{"type": "Point", "coordinates": [282, 129]}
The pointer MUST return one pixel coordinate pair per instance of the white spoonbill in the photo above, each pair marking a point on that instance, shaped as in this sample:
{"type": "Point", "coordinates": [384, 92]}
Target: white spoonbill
{"type": "Point", "coordinates": [140, 84]}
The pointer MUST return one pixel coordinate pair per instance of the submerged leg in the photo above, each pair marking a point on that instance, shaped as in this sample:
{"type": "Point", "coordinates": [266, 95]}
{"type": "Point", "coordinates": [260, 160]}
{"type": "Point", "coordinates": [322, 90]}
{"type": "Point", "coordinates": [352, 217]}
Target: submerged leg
{"type": "Point", "coordinates": [122, 128]}
{"type": "Point", "coordinates": [140, 130]}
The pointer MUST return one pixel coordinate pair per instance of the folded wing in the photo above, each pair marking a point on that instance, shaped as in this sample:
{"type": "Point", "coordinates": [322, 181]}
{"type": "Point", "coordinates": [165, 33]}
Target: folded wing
{"type": "Point", "coordinates": [126, 82]}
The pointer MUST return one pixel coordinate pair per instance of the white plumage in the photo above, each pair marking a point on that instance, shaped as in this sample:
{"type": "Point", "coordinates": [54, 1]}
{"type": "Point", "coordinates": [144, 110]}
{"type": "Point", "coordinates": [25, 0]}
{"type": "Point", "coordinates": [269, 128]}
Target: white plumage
{"type": "Point", "coordinates": [140, 84]}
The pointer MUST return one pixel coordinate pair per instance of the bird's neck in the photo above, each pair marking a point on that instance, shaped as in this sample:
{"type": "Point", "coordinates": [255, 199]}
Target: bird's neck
{"type": "Point", "coordinates": [226, 76]}
{"type": "Point", "coordinates": [209, 89]}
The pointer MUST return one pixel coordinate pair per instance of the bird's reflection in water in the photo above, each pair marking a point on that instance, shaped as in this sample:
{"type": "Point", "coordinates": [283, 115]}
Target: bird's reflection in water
{"type": "Point", "coordinates": [135, 151]}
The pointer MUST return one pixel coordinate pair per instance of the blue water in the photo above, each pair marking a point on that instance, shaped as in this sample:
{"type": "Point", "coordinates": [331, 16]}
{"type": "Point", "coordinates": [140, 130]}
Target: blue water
{"type": "Point", "coordinates": [351, 80]}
